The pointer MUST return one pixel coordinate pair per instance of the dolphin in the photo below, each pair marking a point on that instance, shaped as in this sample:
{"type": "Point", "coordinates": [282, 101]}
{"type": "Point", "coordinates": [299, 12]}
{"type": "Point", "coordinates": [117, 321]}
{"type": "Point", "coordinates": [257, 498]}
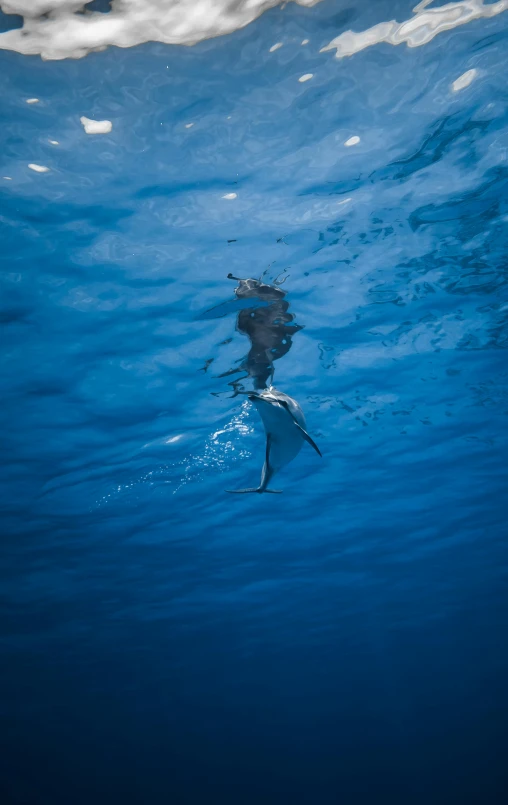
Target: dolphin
{"type": "Point", "coordinates": [285, 434]}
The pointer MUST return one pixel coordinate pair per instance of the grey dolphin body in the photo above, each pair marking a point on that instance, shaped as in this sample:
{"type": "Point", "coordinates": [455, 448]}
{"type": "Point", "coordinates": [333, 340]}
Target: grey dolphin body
{"type": "Point", "coordinates": [285, 434]}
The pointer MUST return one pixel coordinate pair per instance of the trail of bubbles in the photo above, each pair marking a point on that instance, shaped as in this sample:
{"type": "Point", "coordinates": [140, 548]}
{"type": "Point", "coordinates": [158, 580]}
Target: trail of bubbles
{"type": "Point", "coordinates": [222, 448]}
{"type": "Point", "coordinates": [219, 451]}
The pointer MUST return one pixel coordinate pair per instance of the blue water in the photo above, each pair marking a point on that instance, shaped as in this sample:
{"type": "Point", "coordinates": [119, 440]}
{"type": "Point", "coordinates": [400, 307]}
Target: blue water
{"type": "Point", "coordinates": [344, 642]}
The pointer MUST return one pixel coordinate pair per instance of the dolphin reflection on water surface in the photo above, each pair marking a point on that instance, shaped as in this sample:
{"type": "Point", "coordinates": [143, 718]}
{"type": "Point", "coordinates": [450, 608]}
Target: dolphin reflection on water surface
{"type": "Point", "coordinates": [269, 327]}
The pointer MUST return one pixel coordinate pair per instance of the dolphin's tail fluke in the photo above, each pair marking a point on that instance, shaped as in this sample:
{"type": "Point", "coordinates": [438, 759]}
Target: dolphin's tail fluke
{"type": "Point", "coordinates": [258, 490]}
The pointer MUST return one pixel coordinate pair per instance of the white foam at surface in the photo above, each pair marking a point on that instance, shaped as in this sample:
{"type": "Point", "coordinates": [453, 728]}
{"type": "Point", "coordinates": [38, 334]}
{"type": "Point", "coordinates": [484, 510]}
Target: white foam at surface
{"type": "Point", "coordinates": [54, 142]}
{"type": "Point", "coordinates": [230, 196]}
{"type": "Point", "coordinates": [464, 80]}
{"type": "Point", "coordinates": [420, 29]}
{"type": "Point", "coordinates": [275, 47]}
{"type": "Point", "coordinates": [38, 168]}
{"type": "Point", "coordinates": [62, 33]}
{"type": "Point", "coordinates": [189, 125]}
{"type": "Point", "coordinates": [96, 126]}
{"type": "Point", "coordinates": [305, 41]}
{"type": "Point", "coordinates": [352, 141]}
{"type": "Point", "coordinates": [32, 100]}
{"type": "Point", "coordinates": [305, 77]}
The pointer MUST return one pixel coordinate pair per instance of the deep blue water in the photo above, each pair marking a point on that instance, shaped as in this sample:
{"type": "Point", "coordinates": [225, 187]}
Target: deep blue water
{"type": "Point", "coordinates": [344, 642]}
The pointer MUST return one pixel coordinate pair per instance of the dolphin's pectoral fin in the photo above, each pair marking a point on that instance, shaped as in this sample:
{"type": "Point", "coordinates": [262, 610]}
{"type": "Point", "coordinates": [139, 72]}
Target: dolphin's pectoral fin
{"type": "Point", "coordinates": [309, 439]}
{"type": "Point", "coordinates": [304, 433]}
{"type": "Point", "coordinates": [265, 476]}
{"type": "Point", "coordinates": [267, 449]}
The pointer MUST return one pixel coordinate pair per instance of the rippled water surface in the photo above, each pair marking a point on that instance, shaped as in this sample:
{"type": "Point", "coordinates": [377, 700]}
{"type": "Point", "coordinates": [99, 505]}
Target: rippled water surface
{"type": "Point", "coordinates": [344, 642]}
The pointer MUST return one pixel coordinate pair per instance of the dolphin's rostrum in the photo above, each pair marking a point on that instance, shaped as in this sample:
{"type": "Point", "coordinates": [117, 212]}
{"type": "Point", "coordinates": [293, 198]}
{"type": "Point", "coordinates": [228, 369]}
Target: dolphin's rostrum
{"type": "Point", "coordinates": [285, 433]}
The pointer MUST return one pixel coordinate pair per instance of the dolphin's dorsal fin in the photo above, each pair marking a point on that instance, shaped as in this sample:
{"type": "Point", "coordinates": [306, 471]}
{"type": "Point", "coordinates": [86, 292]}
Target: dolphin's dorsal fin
{"type": "Point", "coordinates": [304, 433]}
